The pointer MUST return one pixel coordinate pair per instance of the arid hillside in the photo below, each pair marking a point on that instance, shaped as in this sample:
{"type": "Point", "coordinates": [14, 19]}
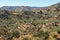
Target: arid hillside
{"type": "Point", "coordinates": [30, 23]}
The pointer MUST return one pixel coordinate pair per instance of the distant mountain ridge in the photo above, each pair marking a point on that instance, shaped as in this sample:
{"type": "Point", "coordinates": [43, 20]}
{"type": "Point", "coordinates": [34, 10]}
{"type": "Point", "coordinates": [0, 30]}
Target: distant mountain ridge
{"type": "Point", "coordinates": [25, 8]}
{"type": "Point", "coordinates": [18, 8]}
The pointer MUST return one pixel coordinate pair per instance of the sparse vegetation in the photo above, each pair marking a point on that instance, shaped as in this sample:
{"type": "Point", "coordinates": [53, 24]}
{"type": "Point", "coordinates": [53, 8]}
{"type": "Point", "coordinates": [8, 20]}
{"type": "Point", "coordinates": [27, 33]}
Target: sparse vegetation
{"type": "Point", "coordinates": [30, 25]}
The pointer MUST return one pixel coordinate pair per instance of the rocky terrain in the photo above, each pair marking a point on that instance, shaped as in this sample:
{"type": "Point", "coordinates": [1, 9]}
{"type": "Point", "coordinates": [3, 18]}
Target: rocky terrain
{"type": "Point", "coordinates": [30, 23]}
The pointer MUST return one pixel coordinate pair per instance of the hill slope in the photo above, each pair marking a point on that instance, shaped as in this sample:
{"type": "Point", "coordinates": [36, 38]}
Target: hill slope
{"type": "Point", "coordinates": [30, 23]}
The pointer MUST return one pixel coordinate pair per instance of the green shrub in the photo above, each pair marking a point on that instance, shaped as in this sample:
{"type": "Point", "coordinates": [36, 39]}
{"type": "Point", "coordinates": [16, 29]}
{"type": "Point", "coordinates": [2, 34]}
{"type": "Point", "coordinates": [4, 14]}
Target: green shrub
{"type": "Point", "coordinates": [16, 34]}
